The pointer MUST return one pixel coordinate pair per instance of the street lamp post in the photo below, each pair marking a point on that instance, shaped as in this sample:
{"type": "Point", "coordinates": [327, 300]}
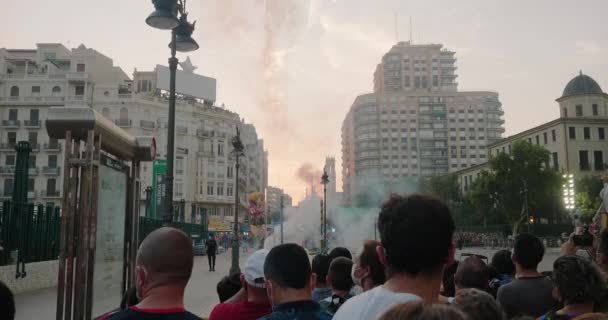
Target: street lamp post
{"type": "Point", "coordinates": [525, 191]}
{"type": "Point", "coordinates": [148, 201]}
{"type": "Point", "coordinates": [238, 151]}
{"type": "Point", "coordinates": [324, 181]}
{"type": "Point", "coordinates": [165, 17]}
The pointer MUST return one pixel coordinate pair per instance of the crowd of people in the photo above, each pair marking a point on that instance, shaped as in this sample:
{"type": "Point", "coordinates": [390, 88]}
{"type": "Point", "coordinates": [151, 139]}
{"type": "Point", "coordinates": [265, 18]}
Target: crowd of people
{"type": "Point", "coordinates": [481, 239]}
{"type": "Point", "coordinates": [411, 273]}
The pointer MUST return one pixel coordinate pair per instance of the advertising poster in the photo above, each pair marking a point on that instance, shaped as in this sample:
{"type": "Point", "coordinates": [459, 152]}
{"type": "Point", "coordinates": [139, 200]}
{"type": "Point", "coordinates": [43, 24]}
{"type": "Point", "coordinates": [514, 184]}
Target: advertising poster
{"type": "Point", "coordinates": [159, 171]}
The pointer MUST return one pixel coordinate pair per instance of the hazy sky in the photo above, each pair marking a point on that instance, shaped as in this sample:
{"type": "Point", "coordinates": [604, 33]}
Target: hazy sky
{"type": "Point", "coordinates": [294, 67]}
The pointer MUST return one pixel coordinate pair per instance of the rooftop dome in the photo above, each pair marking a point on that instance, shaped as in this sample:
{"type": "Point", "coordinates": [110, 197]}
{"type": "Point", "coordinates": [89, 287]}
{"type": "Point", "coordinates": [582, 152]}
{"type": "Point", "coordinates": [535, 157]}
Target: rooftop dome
{"type": "Point", "coordinates": [582, 84]}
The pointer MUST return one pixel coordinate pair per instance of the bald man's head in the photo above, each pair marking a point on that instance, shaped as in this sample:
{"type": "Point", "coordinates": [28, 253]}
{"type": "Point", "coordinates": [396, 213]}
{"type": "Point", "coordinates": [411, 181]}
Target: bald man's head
{"type": "Point", "coordinates": [167, 256]}
{"type": "Point", "coordinates": [472, 273]}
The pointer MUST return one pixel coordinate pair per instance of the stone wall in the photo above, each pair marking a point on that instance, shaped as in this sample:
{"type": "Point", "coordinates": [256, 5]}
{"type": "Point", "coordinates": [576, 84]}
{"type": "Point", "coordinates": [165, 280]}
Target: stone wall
{"type": "Point", "coordinates": [40, 275]}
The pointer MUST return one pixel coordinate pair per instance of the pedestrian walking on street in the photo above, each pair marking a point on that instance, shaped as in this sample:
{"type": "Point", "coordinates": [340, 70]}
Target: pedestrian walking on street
{"type": "Point", "coordinates": [211, 245]}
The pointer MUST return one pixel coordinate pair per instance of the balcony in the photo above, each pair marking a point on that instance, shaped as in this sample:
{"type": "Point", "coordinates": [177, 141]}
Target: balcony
{"type": "Point", "coordinates": [204, 133]}
{"type": "Point", "coordinates": [52, 147]}
{"type": "Point", "coordinates": [145, 124]}
{"type": "Point", "coordinates": [124, 96]}
{"type": "Point", "coordinates": [50, 194]}
{"type": "Point", "coordinates": [10, 146]}
{"type": "Point", "coordinates": [77, 76]}
{"type": "Point", "coordinates": [33, 171]}
{"type": "Point", "coordinates": [34, 124]}
{"type": "Point", "coordinates": [51, 171]}
{"type": "Point", "coordinates": [11, 124]}
{"type": "Point", "coordinates": [181, 130]}
{"type": "Point", "coordinates": [38, 100]}
{"type": "Point", "coordinates": [181, 150]}
{"type": "Point", "coordinates": [35, 147]}
{"type": "Point", "coordinates": [123, 123]}
{"type": "Point", "coordinates": [32, 194]}
{"type": "Point", "coordinates": [7, 170]}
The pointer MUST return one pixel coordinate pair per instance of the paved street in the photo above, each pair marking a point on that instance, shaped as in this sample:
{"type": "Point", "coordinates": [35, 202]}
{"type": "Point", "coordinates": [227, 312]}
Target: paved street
{"type": "Point", "coordinates": [200, 298]}
{"type": "Point", "coordinates": [201, 295]}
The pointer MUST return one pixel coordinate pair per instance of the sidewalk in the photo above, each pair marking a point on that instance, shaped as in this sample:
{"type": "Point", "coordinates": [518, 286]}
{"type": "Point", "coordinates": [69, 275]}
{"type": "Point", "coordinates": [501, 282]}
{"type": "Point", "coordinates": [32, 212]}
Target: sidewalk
{"type": "Point", "coordinates": [201, 295]}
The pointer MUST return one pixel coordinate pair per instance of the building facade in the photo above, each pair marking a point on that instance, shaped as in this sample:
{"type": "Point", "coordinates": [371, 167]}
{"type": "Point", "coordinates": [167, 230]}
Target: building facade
{"type": "Point", "coordinates": [576, 140]}
{"type": "Point", "coordinates": [273, 201]}
{"type": "Point", "coordinates": [51, 75]}
{"type": "Point", "coordinates": [415, 124]}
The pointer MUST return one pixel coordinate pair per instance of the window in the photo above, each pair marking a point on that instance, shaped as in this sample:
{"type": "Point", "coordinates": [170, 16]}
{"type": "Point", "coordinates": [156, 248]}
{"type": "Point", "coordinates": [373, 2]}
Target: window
{"type": "Point", "coordinates": [14, 91]}
{"type": "Point", "coordinates": [583, 160]}
{"type": "Point", "coordinates": [509, 149]}
{"type": "Point", "coordinates": [220, 189]}
{"type": "Point", "coordinates": [124, 114]}
{"type": "Point", "coordinates": [229, 190]}
{"type": "Point", "coordinates": [544, 137]}
{"type": "Point", "coordinates": [417, 81]}
{"type": "Point", "coordinates": [220, 149]}
{"type": "Point", "coordinates": [598, 160]}
{"type": "Point", "coordinates": [572, 132]}
{"type": "Point", "coordinates": [9, 160]}
{"type": "Point", "coordinates": [79, 91]}
{"type": "Point", "coordinates": [210, 189]}
{"type": "Point", "coordinates": [579, 110]}
{"type": "Point", "coordinates": [11, 137]}
{"type": "Point", "coordinates": [30, 185]}
{"type": "Point", "coordinates": [35, 90]}
{"type": "Point", "coordinates": [8, 187]}
{"type": "Point", "coordinates": [179, 165]}
{"type": "Point", "coordinates": [56, 91]}
{"type": "Point", "coordinates": [33, 138]}
{"type": "Point", "coordinates": [435, 80]}
{"type": "Point", "coordinates": [407, 81]}
{"type": "Point", "coordinates": [587, 133]}
{"type": "Point", "coordinates": [80, 67]}
{"type": "Point", "coordinates": [31, 162]}
{"type": "Point", "coordinates": [13, 114]}
{"type": "Point", "coordinates": [595, 111]}
{"type": "Point", "coordinates": [600, 133]}
{"type": "Point", "coordinates": [565, 113]}
{"type": "Point", "coordinates": [34, 115]}
{"type": "Point", "coordinates": [51, 186]}
{"type": "Point", "coordinates": [555, 161]}
{"type": "Point", "coordinates": [229, 171]}
{"type": "Point", "coordinates": [553, 136]}
{"type": "Point", "coordinates": [537, 140]}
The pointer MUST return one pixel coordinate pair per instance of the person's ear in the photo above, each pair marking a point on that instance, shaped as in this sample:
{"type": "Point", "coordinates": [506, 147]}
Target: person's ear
{"type": "Point", "coordinates": [381, 254]}
{"type": "Point", "coordinates": [313, 280]}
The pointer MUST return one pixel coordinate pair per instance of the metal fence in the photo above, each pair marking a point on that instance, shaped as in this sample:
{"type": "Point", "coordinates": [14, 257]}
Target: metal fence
{"type": "Point", "coordinates": [538, 229]}
{"type": "Point", "coordinates": [147, 225]}
{"type": "Point", "coordinates": [28, 233]}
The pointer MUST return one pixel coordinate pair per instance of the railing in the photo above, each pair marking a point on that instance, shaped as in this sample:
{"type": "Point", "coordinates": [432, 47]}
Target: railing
{"type": "Point", "coordinates": [123, 123]}
{"type": "Point", "coordinates": [50, 194]}
{"type": "Point", "coordinates": [35, 146]}
{"type": "Point", "coordinates": [32, 123]}
{"type": "Point", "coordinates": [51, 171]}
{"type": "Point", "coordinates": [124, 96]}
{"type": "Point", "coordinates": [32, 232]}
{"type": "Point", "coordinates": [8, 146]}
{"type": "Point", "coordinates": [37, 99]}
{"type": "Point", "coordinates": [11, 123]}
{"type": "Point", "coordinates": [181, 130]}
{"type": "Point", "coordinates": [204, 133]}
{"type": "Point", "coordinates": [7, 170]}
{"type": "Point", "coordinates": [147, 124]}
{"type": "Point", "coordinates": [32, 171]}
{"type": "Point", "coordinates": [52, 146]}
{"type": "Point", "coordinates": [147, 225]}
{"type": "Point", "coordinates": [77, 76]}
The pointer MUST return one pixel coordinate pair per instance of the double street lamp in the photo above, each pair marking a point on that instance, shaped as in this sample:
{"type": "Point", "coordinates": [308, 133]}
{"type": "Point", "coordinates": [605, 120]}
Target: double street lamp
{"type": "Point", "coordinates": [165, 17]}
{"type": "Point", "coordinates": [324, 181]}
{"type": "Point", "coordinates": [238, 151]}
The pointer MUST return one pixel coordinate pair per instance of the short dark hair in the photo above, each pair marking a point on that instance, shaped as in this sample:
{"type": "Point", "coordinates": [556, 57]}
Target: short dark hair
{"type": "Point", "coordinates": [421, 310]}
{"type": "Point", "coordinates": [320, 267]}
{"type": "Point", "coordinates": [472, 273]}
{"type": "Point", "coordinates": [288, 266]}
{"type": "Point", "coordinates": [7, 302]}
{"type": "Point", "coordinates": [340, 252]}
{"type": "Point", "coordinates": [502, 262]}
{"type": "Point", "coordinates": [339, 273]}
{"type": "Point", "coordinates": [577, 279]}
{"type": "Point", "coordinates": [528, 250]}
{"type": "Point", "coordinates": [603, 242]}
{"type": "Point", "coordinates": [416, 232]}
{"type": "Point", "coordinates": [478, 305]}
{"type": "Point", "coordinates": [228, 286]}
{"type": "Point", "coordinates": [369, 258]}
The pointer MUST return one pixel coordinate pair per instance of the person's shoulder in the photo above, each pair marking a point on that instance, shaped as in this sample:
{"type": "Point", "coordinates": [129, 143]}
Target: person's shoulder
{"type": "Point", "coordinates": [119, 315]}
{"type": "Point", "coordinates": [221, 311]}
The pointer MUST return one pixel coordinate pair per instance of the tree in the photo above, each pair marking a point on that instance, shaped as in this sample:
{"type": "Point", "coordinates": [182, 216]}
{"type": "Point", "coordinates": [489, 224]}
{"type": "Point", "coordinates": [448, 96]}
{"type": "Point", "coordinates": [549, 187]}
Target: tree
{"type": "Point", "coordinates": [587, 196]}
{"type": "Point", "coordinates": [519, 185]}
{"type": "Point", "coordinates": [445, 187]}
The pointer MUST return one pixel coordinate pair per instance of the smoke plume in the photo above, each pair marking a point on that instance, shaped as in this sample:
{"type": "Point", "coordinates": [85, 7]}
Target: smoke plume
{"type": "Point", "coordinates": [311, 176]}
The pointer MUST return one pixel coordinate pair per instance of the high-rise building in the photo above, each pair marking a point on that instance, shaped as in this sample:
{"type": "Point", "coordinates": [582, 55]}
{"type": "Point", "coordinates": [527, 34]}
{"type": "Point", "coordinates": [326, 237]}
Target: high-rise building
{"type": "Point", "coordinates": [33, 80]}
{"type": "Point", "coordinates": [416, 123]}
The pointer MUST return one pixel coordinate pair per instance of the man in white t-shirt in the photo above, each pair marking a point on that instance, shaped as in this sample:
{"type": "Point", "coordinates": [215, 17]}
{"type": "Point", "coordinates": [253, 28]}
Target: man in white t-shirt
{"type": "Point", "coordinates": [416, 234]}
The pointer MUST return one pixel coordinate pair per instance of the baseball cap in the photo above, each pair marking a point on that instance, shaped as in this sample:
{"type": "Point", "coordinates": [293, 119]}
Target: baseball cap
{"type": "Point", "coordinates": [254, 268]}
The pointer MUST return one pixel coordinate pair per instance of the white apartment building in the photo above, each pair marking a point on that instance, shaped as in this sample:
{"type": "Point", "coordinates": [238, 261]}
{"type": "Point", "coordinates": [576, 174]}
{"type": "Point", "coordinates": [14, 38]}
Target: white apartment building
{"type": "Point", "coordinates": [52, 75]}
{"type": "Point", "coordinates": [576, 140]}
{"type": "Point", "coordinates": [416, 123]}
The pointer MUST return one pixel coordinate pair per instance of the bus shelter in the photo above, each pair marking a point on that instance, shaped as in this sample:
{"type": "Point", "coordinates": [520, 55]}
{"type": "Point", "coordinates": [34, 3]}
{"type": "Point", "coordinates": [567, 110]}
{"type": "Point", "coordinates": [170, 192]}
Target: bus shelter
{"type": "Point", "coordinates": [100, 210]}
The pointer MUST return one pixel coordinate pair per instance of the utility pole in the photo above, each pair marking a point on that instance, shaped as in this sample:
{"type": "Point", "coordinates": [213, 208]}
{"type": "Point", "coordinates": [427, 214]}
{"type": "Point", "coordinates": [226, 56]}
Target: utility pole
{"type": "Point", "coordinates": [238, 151]}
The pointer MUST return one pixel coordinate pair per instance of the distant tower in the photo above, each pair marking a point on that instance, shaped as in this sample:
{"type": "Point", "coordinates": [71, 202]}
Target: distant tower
{"type": "Point", "coordinates": [330, 167]}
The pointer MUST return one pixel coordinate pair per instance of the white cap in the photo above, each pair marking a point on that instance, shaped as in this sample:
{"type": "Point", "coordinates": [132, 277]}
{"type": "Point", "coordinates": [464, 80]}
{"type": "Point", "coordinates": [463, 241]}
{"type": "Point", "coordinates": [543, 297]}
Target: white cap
{"type": "Point", "coordinates": [254, 268]}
